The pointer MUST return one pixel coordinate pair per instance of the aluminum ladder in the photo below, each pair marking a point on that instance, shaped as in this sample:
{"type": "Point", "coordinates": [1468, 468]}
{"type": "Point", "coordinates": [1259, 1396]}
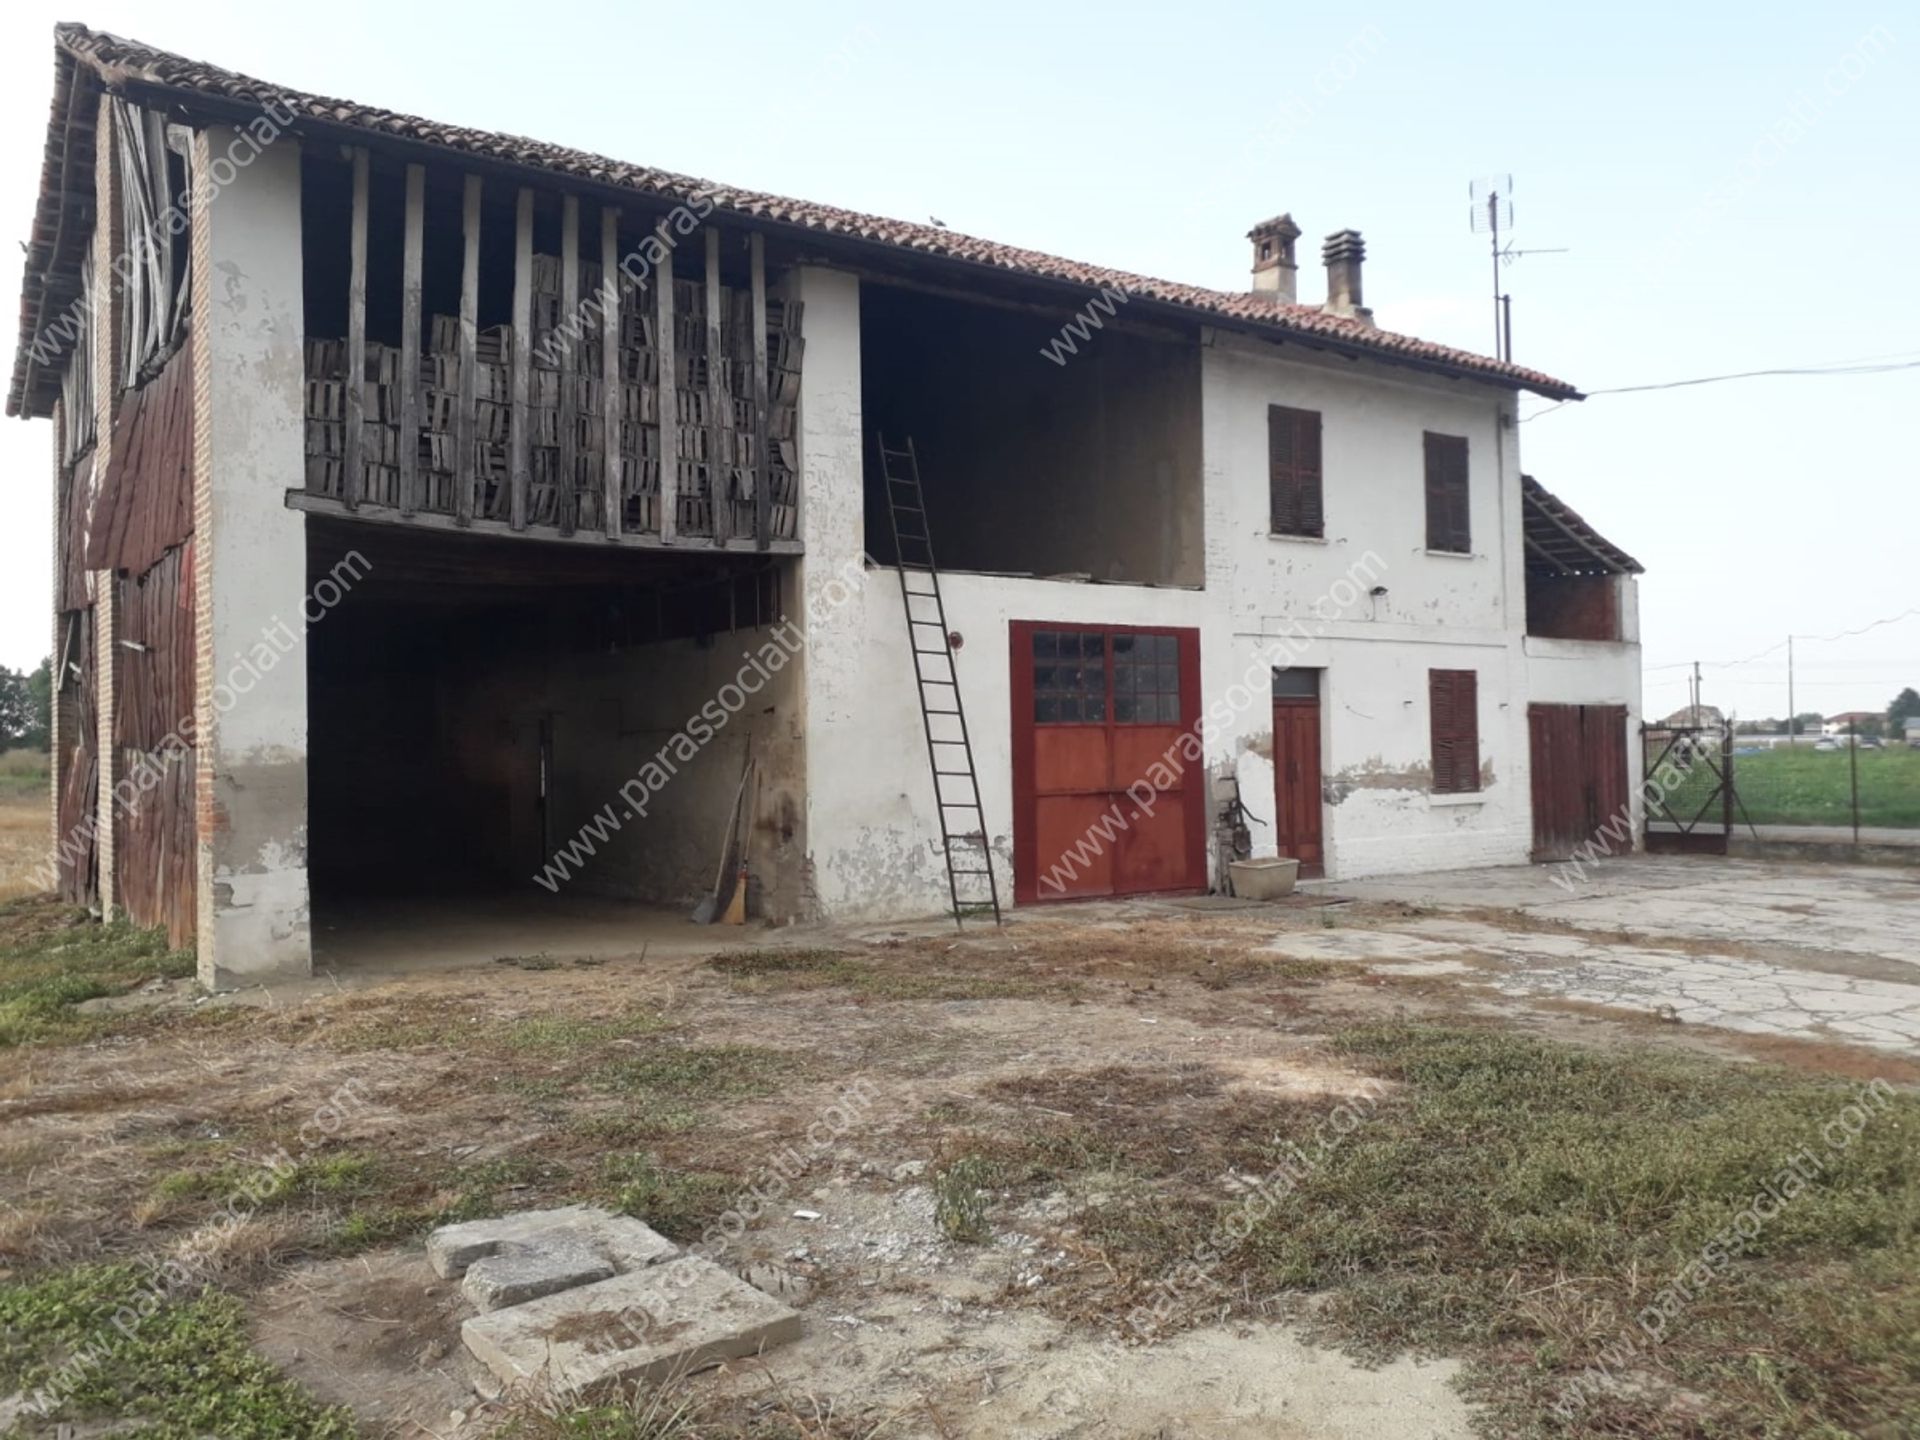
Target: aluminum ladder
{"type": "Point", "coordinates": [956, 788]}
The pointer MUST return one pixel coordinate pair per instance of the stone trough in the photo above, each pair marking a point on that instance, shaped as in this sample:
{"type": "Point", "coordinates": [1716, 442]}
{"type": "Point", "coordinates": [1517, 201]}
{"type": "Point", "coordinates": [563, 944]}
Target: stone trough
{"type": "Point", "coordinates": [576, 1298]}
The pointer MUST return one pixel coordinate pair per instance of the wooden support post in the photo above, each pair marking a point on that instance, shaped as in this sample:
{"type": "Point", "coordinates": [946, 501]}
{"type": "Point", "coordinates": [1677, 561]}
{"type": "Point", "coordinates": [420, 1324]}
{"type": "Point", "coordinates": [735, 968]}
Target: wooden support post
{"type": "Point", "coordinates": [412, 301]}
{"type": "Point", "coordinates": [719, 431]}
{"type": "Point", "coordinates": [762, 464]}
{"type": "Point", "coordinates": [352, 480]}
{"type": "Point", "coordinates": [466, 478]}
{"type": "Point", "coordinates": [567, 496]}
{"type": "Point", "coordinates": [669, 400]}
{"type": "Point", "coordinates": [610, 367]}
{"type": "Point", "coordinates": [519, 462]}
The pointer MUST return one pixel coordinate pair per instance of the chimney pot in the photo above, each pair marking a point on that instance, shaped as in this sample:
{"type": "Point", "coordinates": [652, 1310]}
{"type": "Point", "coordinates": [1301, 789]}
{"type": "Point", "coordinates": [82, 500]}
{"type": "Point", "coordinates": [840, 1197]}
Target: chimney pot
{"type": "Point", "coordinates": [1344, 253]}
{"type": "Point", "coordinates": [1274, 272]}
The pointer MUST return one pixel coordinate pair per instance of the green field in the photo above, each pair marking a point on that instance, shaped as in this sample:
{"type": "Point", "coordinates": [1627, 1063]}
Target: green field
{"type": "Point", "coordinates": [1804, 786]}
{"type": "Point", "coordinates": [23, 774]}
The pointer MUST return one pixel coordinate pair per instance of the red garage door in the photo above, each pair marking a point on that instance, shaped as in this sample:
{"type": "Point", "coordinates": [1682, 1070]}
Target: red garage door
{"type": "Point", "coordinates": [1579, 776]}
{"type": "Point", "coordinates": [1096, 710]}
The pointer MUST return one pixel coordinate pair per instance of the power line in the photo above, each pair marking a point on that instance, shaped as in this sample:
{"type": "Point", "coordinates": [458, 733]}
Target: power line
{"type": "Point", "coordinates": [1782, 644]}
{"type": "Point", "coordinates": [1872, 365]}
{"type": "Point", "coordinates": [1875, 625]}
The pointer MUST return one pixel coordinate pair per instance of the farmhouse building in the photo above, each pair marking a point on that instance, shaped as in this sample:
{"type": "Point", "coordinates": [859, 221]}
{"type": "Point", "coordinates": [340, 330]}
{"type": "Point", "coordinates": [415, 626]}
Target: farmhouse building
{"type": "Point", "coordinates": [445, 514]}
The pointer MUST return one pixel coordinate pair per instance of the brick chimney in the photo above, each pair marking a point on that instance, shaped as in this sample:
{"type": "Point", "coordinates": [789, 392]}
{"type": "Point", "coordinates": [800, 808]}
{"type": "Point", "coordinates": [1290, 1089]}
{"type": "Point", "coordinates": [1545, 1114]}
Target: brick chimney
{"type": "Point", "coordinates": [1274, 271]}
{"type": "Point", "coordinates": [1344, 252]}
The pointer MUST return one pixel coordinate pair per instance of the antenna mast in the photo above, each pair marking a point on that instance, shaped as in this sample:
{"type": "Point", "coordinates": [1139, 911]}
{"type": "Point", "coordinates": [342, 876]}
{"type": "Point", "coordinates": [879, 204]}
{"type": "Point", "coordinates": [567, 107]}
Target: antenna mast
{"type": "Point", "coordinates": [1491, 212]}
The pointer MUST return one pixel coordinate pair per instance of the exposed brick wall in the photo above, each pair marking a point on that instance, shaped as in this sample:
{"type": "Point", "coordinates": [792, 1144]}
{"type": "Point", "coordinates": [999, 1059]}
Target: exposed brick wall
{"type": "Point", "coordinates": [59, 584]}
{"type": "Point", "coordinates": [205, 720]}
{"type": "Point", "coordinates": [106, 378]}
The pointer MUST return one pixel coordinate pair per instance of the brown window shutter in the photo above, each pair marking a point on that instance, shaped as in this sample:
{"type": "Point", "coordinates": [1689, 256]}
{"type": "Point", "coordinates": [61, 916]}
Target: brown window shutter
{"type": "Point", "coordinates": [1453, 701]}
{"type": "Point", "coordinates": [1293, 472]}
{"type": "Point", "coordinates": [1448, 524]}
{"type": "Point", "coordinates": [1440, 724]}
{"type": "Point", "coordinates": [1313, 519]}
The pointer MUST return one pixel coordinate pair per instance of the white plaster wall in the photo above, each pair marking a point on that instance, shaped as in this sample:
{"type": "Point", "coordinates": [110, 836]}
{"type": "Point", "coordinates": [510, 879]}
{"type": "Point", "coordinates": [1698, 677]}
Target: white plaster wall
{"type": "Point", "coordinates": [252, 553]}
{"type": "Point", "coordinates": [873, 837]}
{"type": "Point", "coordinates": [1310, 602]}
{"type": "Point", "coordinates": [833, 586]}
{"type": "Point", "coordinates": [888, 862]}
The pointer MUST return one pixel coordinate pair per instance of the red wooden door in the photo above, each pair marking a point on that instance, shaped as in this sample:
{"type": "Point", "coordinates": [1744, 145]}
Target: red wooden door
{"type": "Point", "coordinates": [1579, 755]}
{"type": "Point", "coordinates": [1108, 786]}
{"type": "Point", "coordinates": [1296, 781]}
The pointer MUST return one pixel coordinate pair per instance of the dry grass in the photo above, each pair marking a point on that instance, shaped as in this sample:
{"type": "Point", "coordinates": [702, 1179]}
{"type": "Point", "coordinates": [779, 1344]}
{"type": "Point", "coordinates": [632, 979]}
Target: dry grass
{"type": "Point", "coordinates": [1513, 1200]}
{"type": "Point", "coordinates": [23, 842]}
{"type": "Point", "coordinates": [1503, 1197]}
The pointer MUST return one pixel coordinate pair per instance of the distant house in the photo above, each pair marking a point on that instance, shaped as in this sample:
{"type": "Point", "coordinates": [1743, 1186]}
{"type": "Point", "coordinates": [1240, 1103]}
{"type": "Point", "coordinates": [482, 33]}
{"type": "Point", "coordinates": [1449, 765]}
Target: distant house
{"type": "Point", "coordinates": [1913, 731]}
{"type": "Point", "coordinates": [1850, 720]}
{"type": "Point", "coordinates": [1707, 716]}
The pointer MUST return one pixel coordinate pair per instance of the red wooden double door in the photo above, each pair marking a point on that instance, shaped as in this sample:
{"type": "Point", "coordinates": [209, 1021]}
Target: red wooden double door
{"type": "Point", "coordinates": [1109, 784]}
{"type": "Point", "coordinates": [1579, 755]}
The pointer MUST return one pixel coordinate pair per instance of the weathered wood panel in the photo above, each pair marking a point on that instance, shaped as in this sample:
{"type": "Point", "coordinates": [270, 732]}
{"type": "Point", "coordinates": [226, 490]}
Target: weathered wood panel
{"type": "Point", "coordinates": [762, 494]}
{"type": "Point", "coordinates": [412, 252]}
{"type": "Point", "coordinates": [76, 512]}
{"type": "Point", "coordinates": [76, 855]}
{"type": "Point", "coordinates": [355, 479]}
{"type": "Point", "coordinates": [144, 504]}
{"type": "Point", "coordinates": [154, 678]}
{"type": "Point", "coordinates": [466, 477]}
{"type": "Point", "coordinates": [154, 864]}
{"type": "Point", "coordinates": [519, 461]}
{"type": "Point", "coordinates": [154, 685]}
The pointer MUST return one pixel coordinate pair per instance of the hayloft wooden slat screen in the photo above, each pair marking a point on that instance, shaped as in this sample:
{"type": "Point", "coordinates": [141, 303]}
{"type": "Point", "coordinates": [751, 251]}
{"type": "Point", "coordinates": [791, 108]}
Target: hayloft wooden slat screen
{"type": "Point", "coordinates": [600, 398]}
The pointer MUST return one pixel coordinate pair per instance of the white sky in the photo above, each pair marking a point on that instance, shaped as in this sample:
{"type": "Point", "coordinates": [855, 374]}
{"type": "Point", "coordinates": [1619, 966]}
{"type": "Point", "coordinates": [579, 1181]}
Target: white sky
{"type": "Point", "coordinates": [1150, 139]}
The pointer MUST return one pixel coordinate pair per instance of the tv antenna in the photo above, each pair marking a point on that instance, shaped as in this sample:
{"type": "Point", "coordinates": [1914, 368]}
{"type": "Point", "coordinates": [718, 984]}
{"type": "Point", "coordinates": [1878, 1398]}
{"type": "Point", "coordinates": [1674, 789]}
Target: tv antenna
{"type": "Point", "coordinates": [1490, 214]}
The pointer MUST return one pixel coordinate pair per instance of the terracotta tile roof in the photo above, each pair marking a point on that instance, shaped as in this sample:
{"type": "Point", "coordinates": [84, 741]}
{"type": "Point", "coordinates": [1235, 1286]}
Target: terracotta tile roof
{"type": "Point", "coordinates": [124, 64]}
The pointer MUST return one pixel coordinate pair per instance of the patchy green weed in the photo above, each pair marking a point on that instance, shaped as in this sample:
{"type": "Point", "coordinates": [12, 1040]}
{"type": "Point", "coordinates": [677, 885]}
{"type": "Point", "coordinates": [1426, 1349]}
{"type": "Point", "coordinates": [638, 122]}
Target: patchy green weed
{"type": "Point", "coordinates": [185, 1370]}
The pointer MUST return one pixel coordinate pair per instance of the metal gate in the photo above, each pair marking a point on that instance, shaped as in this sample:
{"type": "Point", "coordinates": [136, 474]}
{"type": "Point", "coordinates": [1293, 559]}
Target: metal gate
{"type": "Point", "coordinates": [1689, 788]}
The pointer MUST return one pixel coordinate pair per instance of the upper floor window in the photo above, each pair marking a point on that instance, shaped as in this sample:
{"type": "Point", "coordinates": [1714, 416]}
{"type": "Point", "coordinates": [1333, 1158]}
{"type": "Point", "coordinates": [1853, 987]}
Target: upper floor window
{"type": "Point", "coordinates": [1448, 527]}
{"type": "Point", "coordinates": [1453, 715]}
{"type": "Point", "coordinates": [1293, 472]}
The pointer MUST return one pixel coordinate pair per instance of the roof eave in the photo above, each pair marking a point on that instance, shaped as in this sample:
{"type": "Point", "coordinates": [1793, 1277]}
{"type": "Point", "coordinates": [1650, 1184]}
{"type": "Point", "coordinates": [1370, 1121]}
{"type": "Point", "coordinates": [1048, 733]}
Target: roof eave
{"type": "Point", "coordinates": [26, 393]}
{"type": "Point", "coordinates": [200, 103]}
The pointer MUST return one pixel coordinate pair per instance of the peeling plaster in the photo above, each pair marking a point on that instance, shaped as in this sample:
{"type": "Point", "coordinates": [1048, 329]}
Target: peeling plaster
{"type": "Point", "coordinates": [1375, 773]}
{"type": "Point", "coordinates": [233, 286]}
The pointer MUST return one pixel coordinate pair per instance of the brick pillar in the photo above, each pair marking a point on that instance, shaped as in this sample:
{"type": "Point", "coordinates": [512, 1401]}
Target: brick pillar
{"type": "Point", "coordinates": [105, 321]}
{"type": "Point", "coordinates": [54, 678]}
{"type": "Point", "coordinates": [249, 563]}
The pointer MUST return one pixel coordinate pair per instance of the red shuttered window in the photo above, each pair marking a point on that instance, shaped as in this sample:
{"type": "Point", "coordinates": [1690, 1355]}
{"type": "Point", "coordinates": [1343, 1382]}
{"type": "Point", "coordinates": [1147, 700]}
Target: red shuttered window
{"type": "Point", "coordinates": [1453, 707]}
{"type": "Point", "coordinates": [1293, 472]}
{"type": "Point", "coordinates": [1448, 527]}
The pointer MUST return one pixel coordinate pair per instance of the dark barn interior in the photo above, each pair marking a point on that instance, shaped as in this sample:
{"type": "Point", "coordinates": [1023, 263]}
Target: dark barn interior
{"type": "Point", "coordinates": [1087, 467]}
{"type": "Point", "coordinates": [475, 701]}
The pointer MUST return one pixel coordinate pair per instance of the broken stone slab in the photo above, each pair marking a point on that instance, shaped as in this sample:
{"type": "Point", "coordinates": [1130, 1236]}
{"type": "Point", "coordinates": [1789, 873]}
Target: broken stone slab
{"type": "Point", "coordinates": [648, 1325]}
{"type": "Point", "coordinates": [627, 1243]}
{"type": "Point", "coordinates": [520, 1272]}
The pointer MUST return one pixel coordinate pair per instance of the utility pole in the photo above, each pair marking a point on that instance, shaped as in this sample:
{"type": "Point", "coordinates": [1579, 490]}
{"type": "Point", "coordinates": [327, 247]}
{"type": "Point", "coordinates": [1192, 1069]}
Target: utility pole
{"type": "Point", "coordinates": [1853, 773]}
{"type": "Point", "coordinates": [1696, 694]}
{"type": "Point", "coordinates": [1793, 724]}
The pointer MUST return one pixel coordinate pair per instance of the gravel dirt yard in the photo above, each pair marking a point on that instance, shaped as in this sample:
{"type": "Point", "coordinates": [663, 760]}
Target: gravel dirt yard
{"type": "Point", "coordinates": [1116, 1171]}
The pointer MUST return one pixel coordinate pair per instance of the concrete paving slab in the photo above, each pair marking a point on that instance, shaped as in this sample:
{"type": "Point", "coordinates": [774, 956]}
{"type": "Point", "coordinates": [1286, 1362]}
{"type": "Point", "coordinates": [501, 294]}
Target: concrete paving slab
{"type": "Point", "coordinates": [518, 1273]}
{"type": "Point", "coordinates": [1819, 952]}
{"type": "Point", "coordinates": [627, 1243]}
{"type": "Point", "coordinates": [653, 1324]}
